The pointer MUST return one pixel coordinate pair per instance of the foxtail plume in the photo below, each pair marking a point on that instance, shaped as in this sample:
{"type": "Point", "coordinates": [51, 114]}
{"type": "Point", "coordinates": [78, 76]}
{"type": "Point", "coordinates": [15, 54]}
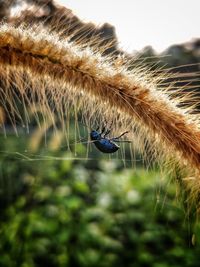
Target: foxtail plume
{"type": "Point", "coordinates": [42, 67]}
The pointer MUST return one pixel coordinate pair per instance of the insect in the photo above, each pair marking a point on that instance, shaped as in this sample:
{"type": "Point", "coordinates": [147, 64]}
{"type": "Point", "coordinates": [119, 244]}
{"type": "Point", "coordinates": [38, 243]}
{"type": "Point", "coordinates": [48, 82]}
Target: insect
{"type": "Point", "coordinates": [104, 144]}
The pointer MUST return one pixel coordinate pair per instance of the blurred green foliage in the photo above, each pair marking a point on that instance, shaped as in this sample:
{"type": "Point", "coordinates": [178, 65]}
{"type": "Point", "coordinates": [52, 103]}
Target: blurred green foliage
{"type": "Point", "coordinates": [58, 211]}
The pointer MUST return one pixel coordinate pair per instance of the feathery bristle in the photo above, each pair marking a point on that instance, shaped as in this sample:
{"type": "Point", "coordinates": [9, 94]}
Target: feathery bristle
{"type": "Point", "coordinates": [43, 68]}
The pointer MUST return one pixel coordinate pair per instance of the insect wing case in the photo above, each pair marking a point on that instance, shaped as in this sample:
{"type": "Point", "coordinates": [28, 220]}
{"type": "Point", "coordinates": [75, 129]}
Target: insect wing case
{"type": "Point", "coordinates": [106, 146]}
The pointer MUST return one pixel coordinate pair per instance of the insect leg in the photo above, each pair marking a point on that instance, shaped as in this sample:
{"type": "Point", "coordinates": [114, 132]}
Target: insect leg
{"type": "Point", "coordinates": [106, 133]}
{"type": "Point", "coordinates": [117, 137]}
{"type": "Point", "coordinates": [109, 130]}
{"type": "Point", "coordinates": [103, 130]}
{"type": "Point", "coordinates": [121, 141]}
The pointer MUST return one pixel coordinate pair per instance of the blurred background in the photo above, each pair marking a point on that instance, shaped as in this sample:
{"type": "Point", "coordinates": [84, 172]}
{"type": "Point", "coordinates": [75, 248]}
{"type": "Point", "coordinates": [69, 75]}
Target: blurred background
{"type": "Point", "coordinates": [63, 203]}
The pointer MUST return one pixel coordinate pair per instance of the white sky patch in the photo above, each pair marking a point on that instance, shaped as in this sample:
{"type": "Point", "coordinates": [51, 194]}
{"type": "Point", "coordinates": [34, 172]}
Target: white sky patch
{"type": "Point", "coordinates": [138, 23]}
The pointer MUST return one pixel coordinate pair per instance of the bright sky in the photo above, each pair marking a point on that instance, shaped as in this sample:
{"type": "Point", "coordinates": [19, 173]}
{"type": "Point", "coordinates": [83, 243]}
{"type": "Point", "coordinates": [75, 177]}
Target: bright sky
{"type": "Point", "coordinates": [139, 23]}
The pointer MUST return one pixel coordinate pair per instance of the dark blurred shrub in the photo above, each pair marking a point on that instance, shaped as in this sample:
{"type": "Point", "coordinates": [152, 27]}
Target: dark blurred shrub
{"type": "Point", "coordinates": [58, 212]}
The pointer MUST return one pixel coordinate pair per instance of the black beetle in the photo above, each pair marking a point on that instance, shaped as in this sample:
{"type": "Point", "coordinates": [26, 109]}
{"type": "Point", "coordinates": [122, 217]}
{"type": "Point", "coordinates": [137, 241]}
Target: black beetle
{"type": "Point", "coordinates": [104, 144]}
